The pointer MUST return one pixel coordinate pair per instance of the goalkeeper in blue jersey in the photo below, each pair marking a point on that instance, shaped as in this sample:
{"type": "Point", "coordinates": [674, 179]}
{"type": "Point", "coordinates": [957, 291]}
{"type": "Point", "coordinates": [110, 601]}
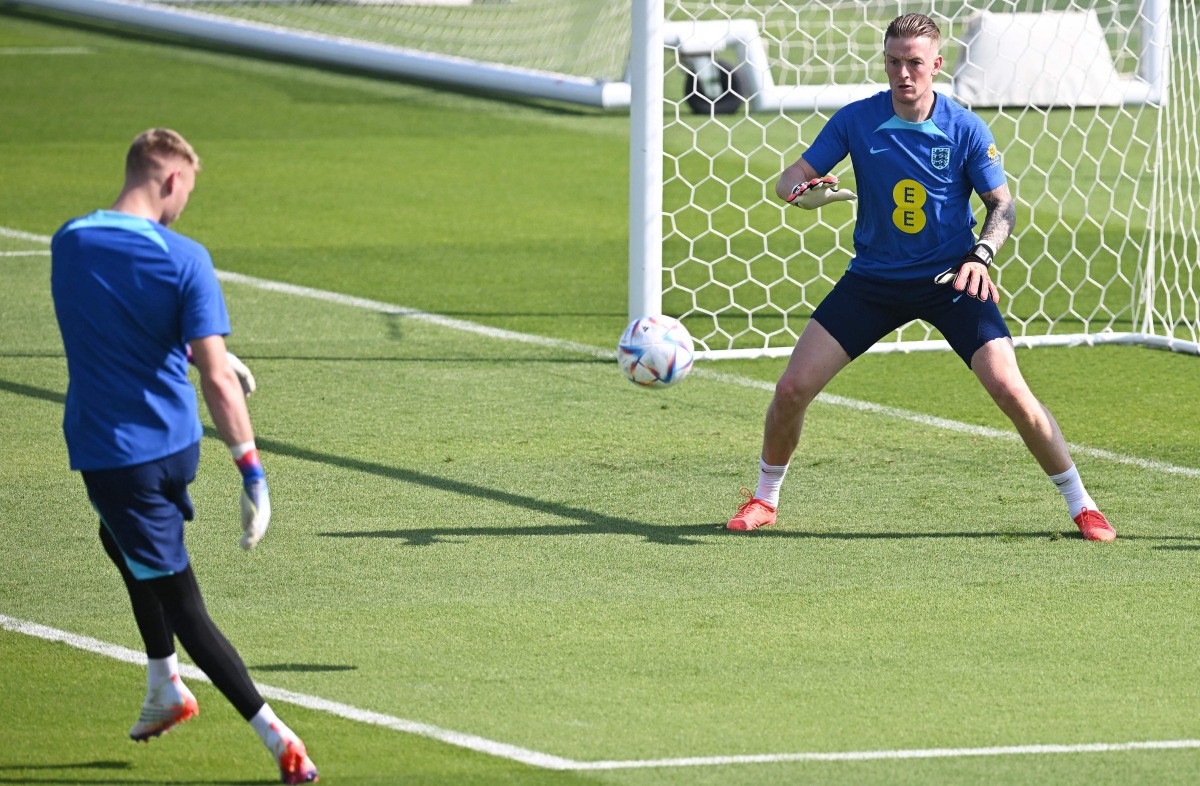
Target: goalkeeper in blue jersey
{"type": "Point", "coordinates": [135, 302]}
{"type": "Point", "coordinates": [917, 158]}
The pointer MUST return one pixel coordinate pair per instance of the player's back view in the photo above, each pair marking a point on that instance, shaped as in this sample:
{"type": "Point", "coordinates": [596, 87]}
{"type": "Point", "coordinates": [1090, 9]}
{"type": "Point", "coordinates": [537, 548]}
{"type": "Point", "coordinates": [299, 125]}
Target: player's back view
{"type": "Point", "coordinates": [133, 299]}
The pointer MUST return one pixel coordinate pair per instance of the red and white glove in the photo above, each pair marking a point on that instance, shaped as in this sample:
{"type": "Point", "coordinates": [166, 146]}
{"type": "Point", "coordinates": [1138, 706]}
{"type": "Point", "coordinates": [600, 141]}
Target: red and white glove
{"type": "Point", "coordinates": [819, 191]}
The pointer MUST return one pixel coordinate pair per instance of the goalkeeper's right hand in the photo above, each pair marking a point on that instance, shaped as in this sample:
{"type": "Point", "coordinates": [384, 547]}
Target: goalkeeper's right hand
{"type": "Point", "coordinates": [256, 501]}
{"type": "Point", "coordinates": [819, 191]}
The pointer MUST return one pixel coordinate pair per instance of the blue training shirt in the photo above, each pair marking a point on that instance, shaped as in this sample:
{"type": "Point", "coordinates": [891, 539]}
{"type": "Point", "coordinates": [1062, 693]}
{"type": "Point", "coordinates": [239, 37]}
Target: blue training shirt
{"type": "Point", "coordinates": [129, 294]}
{"type": "Point", "coordinates": [914, 183]}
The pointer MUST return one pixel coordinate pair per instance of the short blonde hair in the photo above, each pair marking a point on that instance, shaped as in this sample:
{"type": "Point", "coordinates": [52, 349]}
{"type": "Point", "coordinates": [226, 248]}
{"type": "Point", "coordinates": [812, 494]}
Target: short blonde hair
{"type": "Point", "coordinates": [150, 147]}
{"type": "Point", "coordinates": [913, 26]}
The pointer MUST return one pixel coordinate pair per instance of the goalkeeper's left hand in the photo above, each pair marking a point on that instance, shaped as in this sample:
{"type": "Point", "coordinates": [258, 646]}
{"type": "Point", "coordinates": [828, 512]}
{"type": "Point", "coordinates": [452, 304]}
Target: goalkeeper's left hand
{"type": "Point", "coordinates": [819, 191]}
{"type": "Point", "coordinates": [239, 368]}
{"type": "Point", "coordinates": [973, 274]}
{"type": "Point", "coordinates": [256, 501]}
{"type": "Point", "coordinates": [243, 373]}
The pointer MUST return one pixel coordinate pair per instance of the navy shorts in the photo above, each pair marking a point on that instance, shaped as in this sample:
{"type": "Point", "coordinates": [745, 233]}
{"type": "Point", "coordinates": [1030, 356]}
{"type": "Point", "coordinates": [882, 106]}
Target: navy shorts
{"type": "Point", "coordinates": [859, 311]}
{"type": "Point", "coordinates": [143, 507]}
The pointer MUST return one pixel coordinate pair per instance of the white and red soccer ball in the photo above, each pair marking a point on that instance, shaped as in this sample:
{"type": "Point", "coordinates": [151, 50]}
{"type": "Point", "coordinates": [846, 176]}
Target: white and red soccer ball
{"type": "Point", "coordinates": [655, 351]}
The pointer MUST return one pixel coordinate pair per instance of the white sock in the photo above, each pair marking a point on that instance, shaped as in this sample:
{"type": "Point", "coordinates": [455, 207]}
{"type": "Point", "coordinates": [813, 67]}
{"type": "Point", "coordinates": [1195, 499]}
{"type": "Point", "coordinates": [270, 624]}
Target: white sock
{"type": "Point", "coordinates": [272, 731]}
{"type": "Point", "coordinates": [770, 479]}
{"type": "Point", "coordinates": [1071, 487]}
{"type": "Point", "coordinates": [160, 670]}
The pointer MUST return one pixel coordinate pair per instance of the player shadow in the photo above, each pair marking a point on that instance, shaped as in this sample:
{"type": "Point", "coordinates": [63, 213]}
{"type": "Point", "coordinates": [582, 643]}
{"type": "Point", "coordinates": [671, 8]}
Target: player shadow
{"type": "Point", "coordinates": [34, 355]}
{"type": "Point", "coordinates": [29, 391]}
{"type": "Point", "coordinates": [79, 765]}
{"type": "Point", "coordinates": [301, 667]}
{"type": "Point", "coordinates": [122, 774]}
{"type": "Point", "coordinates": [687, 535]}
{"type": "Point", "coordinates": [111, 773]}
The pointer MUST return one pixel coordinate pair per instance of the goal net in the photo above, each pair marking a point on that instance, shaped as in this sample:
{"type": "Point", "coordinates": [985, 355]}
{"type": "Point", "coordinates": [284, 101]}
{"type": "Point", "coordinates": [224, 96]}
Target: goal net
{"type": "Point", "coordinates": [1094, 109]}
{"type": "Point", "coordinates": [509, 32]}
{"type": "Point", "coordinates": [1093, 104]}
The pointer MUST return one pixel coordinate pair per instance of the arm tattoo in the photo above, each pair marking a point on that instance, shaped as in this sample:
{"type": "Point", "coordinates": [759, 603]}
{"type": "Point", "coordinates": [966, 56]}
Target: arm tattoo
{"type": "Point", "coordinates": [1001, 216]}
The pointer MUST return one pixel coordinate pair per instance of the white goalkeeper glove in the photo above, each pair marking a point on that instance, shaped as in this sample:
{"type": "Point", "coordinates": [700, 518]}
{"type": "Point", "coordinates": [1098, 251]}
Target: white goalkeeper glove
{"type": "Point", "coordinates": [243, 374]}
{"type": "Point", "coordinates": [256, 512]}
{"type": "Point", "coordinates": [239, 368]}
{"type": "Point", "coordinates": [256, 501]}
{"type": "Point", "coordinates": [819, 191]}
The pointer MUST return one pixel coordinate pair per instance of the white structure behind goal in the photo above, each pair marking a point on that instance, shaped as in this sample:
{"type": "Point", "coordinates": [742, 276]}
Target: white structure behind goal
{"type": "Point", "coordinates": [1093, 103]}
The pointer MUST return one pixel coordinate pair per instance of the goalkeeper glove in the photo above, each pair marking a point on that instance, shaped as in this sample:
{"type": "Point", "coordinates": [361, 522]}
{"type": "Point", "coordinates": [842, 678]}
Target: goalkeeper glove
{"type": "Point", "coordinates": [819, 191]}
{"type": "Point", "coordinates": [978, 285]}
{"type": "Point", "coordinates": [256, 502]}
{"type": "Point", "coordinates": [243, 373]}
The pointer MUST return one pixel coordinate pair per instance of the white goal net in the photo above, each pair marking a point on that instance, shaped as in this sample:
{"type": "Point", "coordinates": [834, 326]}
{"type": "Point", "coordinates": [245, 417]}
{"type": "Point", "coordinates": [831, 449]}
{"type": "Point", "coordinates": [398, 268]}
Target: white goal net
{"type": "Point", "coordinates": [1093, 104]}
{"type": "Point", "coordinates": [509, 32]}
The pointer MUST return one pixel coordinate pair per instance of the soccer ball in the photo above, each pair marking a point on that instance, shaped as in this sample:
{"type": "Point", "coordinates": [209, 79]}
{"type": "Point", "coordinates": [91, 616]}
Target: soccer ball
{"type": "Point", "coordinates": [655, 351]}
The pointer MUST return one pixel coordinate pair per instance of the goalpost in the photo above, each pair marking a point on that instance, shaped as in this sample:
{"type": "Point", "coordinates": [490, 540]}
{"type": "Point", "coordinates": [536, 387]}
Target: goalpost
{"type": "Point", "coordinates": [1094, 105]}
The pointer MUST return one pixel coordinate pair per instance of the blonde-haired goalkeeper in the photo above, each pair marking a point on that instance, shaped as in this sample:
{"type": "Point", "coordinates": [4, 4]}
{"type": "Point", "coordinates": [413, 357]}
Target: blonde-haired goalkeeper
{"type": "Point", "coordinates": [135, 302]}
{"type": "Point", "coordinates": [917, 158]}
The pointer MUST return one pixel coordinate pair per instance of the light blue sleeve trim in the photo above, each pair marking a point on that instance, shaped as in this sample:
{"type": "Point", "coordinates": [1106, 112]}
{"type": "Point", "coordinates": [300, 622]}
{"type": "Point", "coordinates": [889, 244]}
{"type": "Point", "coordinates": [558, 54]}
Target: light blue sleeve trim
{"type": "Point", "coordinates": [925, 126]}
{"type": "Point", "coordinates": [115, 220]}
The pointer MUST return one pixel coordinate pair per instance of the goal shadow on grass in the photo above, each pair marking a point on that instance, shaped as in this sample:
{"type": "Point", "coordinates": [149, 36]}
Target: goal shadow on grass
{"type": "Point", "coordinates": [590, 522]}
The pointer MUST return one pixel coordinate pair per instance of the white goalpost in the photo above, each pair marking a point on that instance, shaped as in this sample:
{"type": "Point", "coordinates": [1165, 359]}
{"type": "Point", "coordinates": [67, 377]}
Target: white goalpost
{"type": "Point", "coordinates": [494, 52]}
{"type": "Point", "coordinates": [1093, 103]}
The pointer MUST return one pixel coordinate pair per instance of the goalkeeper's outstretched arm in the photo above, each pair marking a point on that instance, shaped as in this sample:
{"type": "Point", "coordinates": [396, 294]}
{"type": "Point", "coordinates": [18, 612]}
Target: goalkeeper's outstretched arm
{"type": "Point", "coordinates": [797, 173]}
{"type": "Point", "coordinates": [802, 186]}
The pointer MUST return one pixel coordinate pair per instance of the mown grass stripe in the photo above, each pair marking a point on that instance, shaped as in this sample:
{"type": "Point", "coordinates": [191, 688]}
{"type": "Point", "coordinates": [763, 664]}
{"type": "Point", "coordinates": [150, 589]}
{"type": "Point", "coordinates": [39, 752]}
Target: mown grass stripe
{"type": "Point", "coordinates": [551, 762]}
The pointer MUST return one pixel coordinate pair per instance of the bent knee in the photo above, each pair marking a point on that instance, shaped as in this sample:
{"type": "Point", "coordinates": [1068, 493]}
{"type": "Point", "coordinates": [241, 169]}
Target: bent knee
{"type": "Point", "coordinates": [795, 391]}
{"type": "Point", "coordinates": [1015, 399]}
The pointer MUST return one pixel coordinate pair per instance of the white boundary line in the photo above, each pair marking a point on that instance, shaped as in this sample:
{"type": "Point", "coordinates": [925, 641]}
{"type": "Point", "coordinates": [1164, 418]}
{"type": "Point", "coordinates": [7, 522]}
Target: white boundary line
{"type": "Point", "coordinates": [459, 739]}
{"type": "Point", "coordinates": [550, 762]}
{"type": "Point", "coordinates": [45, 50]}
{"type": "Point", "coordinates": [19, 235]}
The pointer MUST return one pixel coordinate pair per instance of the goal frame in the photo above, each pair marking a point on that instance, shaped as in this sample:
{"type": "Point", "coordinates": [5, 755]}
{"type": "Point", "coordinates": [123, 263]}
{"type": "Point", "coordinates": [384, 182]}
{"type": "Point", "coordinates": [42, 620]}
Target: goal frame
{"type": "Point", "coordinates": [393, 61]}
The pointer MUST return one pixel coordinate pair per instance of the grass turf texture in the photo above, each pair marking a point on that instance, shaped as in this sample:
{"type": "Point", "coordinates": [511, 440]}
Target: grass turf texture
{"type": "Point", "coordinates": [514, 542]}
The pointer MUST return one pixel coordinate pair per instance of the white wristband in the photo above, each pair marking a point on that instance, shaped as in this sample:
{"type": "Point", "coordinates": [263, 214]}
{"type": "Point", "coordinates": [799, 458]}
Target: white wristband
{"type": "Point", "coordinates": [241, 449]}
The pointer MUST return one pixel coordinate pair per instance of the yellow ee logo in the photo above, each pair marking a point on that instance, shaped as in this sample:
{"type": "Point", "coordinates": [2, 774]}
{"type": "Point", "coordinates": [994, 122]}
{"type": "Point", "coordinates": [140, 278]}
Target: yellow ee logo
{"type": "Point", "coordinates": [909, 196]}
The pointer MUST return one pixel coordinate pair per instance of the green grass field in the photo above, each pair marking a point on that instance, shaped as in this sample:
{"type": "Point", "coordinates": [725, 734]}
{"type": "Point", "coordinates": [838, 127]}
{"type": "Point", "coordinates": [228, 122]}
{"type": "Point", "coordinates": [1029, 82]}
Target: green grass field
{"type": "Point", "coordinates": [504, 540]}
